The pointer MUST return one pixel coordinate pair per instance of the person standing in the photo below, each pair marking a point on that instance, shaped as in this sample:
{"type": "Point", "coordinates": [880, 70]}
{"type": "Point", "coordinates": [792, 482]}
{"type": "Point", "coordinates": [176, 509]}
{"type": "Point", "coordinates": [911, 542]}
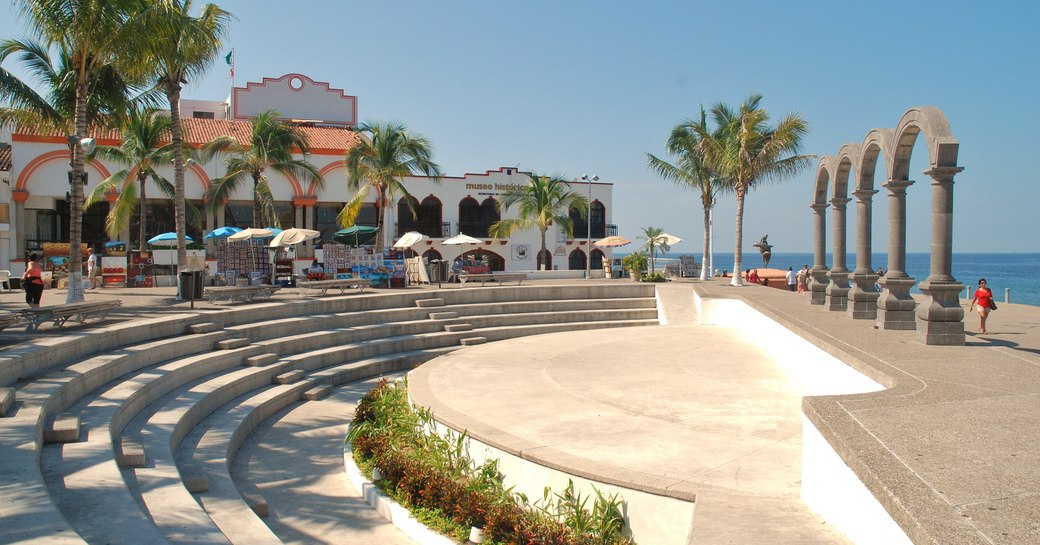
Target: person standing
{"type": "Point", "coordinates": [984, 300]}
{"type": "Point", "coordinates": [792, 280]}
{"type": "Point", "coordinates": [803, 276]}
{"type": "Point", "coordinates": [32, 281]}
{"type": "Point", "coordinates": [92, 268]}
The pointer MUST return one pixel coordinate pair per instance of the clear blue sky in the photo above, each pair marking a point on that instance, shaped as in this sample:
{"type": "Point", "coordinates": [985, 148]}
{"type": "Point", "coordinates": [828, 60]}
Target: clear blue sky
{"type": "Point", "coordinates": [591, 86]}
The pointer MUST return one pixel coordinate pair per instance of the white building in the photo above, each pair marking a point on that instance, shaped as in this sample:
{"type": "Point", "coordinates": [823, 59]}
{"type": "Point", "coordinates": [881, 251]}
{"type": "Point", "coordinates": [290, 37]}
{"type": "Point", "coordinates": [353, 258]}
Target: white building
{"type": "Point", "coordinates": [34, 188]}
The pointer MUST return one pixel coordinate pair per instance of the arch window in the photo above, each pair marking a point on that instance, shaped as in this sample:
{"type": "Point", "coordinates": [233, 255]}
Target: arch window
{"type": "Point", "coordinates": [576, 261]}
{"type": "Point", "coordinates": [427, 218]}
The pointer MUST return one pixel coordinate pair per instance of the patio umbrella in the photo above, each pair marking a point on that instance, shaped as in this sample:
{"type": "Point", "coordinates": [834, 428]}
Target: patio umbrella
{"type": "Point", "coordinates": [355, 235]}
{"type": "Point", "coordinates": [166, 239]}
{"type": "Point", "coordinates": [461, 238]}
{"type": "Point", "coordinates": [612, 242]}
{"type": "Point", "coordinates": [665, 238]}
{"type": "Point", "coordinates": [250, 233]}
{"type": "Point", "coordinates": [222, 232]}
{"type": "Point", "coordinates": [409, 239]}
{"type": "Point", "coordinates": [292, 236]}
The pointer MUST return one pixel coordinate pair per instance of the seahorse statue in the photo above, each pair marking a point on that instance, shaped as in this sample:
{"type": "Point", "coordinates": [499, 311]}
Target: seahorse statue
{"type": "Point", "coordinates": [765, 248]}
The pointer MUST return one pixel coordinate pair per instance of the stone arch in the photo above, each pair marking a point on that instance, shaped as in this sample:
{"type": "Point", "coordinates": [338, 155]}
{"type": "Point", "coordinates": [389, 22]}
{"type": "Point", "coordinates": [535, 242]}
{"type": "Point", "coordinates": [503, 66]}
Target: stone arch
{"type": "Point", "coordinates": [942, 146]}
{"type": "Point", "coordinates": [25, 175]}
{"type": "Point", "coordinates": [824, 175]}
{"type": "Point", "coordinates": [878, 142]}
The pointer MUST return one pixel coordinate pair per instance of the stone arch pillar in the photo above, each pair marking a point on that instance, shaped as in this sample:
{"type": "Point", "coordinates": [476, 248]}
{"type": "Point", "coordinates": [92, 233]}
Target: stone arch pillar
{"type": "Point", "coordinates": [895, 303]}
{"type": "Point", "coordinates": [818, 286]}
{"type": "Point", "coordinates": [863, 293]}
{"type": "Point", "coordinates": [838, 289]}
{"type": "Point", "coordinates": [940, 316]}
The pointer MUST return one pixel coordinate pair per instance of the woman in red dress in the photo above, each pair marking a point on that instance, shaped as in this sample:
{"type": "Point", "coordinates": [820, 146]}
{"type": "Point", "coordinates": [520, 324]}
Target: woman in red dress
{"type": "Point", "coordinates": [32, 281]}
{"type": "Point", "coordinates": [983, 298]}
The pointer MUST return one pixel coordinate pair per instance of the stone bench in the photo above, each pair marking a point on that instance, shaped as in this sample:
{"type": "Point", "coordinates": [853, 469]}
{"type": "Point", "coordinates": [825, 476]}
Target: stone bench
{"type": "Point", "coordinates": [60, 314]}
{"type": "Point", "coordinates": [236, 294]}
{"type": "Point", "coordinates": [484, 278]}
{"type": "Point", "coordinates": [341, 284]}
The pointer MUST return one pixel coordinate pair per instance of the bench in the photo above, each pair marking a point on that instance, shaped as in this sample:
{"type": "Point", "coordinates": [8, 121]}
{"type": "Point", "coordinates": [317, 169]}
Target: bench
{"type": "Point", "coordinates": [483, 278]}
{"type": "Point", "coordinates": [8, 319]}
{"type": "Point", "coordinates": [325, 285]}
{"type": "Point", "coordinates": [58, 315]}
{"type": "Point", "coordinates": [237, 294]}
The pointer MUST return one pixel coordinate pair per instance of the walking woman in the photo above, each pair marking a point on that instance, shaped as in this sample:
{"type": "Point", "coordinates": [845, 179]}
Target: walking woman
{"type": "Point", "coordinates": [32, 281]}
{"type": "Point", "coordinates": [984, 300]}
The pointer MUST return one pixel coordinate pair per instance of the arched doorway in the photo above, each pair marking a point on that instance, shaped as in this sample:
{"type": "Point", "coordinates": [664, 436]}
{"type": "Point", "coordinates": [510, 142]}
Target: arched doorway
{"type": "Point", "coordinates": [576, 261]}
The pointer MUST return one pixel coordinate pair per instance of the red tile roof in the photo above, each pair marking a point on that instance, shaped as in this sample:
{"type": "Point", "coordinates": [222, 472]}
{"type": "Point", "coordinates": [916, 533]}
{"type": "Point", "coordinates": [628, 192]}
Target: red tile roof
{"type": "Point", "coordinates": [197, 132]}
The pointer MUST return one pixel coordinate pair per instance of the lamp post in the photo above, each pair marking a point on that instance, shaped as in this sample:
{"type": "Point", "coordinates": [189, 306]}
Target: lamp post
{"type": "Point", "coordinates": [588, 224]}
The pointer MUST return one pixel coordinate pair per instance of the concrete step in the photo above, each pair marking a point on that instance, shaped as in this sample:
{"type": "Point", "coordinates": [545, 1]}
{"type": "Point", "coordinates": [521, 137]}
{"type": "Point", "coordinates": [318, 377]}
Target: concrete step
{"type": "Point", "coordinates": [443, 315]}
{"type": "Point", "coordinates": [205, 327]}
{"type": "Point", "coordinates": [427, 303]}
{"type": "Point", "coordinates": [472, 341]}
{"type": "Point", "coordinates": [261, 360]}
{"type": "Point", "coordinates": [457, 327]}
{"type": "Point", "coordinates": [256, 501]}
{"type": "Point", "coordinates": [131, 453]}
{"type": "Point", "coordinates": [6, 401]}
{"type": "Point", "coordinates": [231, 344]}
{"type": "Point", "coordinates": [194, 477]}
{"type": "Point", "coordinates": [289, 378]}
{"type": "Point", "coordinates": [318, 392]}
{"type": "Point", "coordinates": [64, 429]}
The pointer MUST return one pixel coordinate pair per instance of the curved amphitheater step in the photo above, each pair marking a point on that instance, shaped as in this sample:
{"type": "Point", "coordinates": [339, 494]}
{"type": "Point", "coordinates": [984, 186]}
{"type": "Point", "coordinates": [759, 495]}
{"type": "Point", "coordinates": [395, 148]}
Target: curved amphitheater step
{"type": "Point", "coordinates": [312, 501]}
{"type": "Point", "coordinates": [145, 388]}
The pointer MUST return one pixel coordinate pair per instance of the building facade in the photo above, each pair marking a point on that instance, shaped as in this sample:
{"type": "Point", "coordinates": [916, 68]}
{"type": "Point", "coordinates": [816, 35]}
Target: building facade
{"type": "Point", "coordinates": [34, 193]}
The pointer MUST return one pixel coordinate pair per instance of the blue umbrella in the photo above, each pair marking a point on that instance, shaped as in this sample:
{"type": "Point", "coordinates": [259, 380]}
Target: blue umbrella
{"type": "Point", "coordinates": [223, 232]}
{"type": "Point", "coordinates": [166, 239]}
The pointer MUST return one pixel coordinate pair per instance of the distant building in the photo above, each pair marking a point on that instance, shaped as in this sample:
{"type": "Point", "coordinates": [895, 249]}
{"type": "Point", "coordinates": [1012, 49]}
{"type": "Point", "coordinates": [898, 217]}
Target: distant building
{"type": "Point", "coordinates": [34, 195]}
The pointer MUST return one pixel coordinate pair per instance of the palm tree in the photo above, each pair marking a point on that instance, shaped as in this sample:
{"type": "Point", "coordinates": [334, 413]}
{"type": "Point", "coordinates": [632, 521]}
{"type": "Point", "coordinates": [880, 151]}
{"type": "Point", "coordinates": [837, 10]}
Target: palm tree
{"type": "Point", "coordinates": [179, 49]}
{"type": "Point", "coordinates": [94, 34]}
{"type": "Point", "coordinates": [386, 154]}
{"type": "Point", "coordinates": [543, 202]}
{"type": "Point", "coordinates": [746, 150]}
{"type": "Point", "coordinates": [691, 170]}
{"type": "Point", "coordinates": [655, 241]}
{"type": "Point", "coordinates": [271, 145]}
{"type": "Point", "coordinates": [144, 148]}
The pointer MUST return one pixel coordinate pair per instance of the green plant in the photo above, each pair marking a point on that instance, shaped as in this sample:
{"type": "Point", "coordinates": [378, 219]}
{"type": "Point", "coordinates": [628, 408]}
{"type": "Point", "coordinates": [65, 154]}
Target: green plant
{"type": "Point", "coordinates": [652, 277]}
{"type": "Point", "coordinates": [434, 477]}
{"type": "Point", "coordinates": [636, 261]}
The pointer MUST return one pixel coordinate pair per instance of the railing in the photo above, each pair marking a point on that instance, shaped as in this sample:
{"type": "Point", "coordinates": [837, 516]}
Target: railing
{"type": "Point", "coordinates": [432, 230]}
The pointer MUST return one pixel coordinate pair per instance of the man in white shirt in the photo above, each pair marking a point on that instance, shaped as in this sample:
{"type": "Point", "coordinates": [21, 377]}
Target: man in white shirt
{"type": "Point", "coordinates": [792, 279]}
{"type": "Point", "coordinates": [92, 268]}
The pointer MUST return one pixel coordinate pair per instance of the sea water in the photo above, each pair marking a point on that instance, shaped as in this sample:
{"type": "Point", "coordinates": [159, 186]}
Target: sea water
{"type": "Point", "coordinates": [1019, 272]}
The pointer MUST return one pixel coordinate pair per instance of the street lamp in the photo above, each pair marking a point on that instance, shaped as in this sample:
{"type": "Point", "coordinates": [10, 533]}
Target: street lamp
{"type": "Point", "coordinates": [588, 224]}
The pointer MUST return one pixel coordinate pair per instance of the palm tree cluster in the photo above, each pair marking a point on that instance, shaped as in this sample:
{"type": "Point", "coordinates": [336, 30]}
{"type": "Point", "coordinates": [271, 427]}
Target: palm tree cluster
{"type": "Point", "coordinates": [112, 57]}
{"type": "Point", "coordinates": [740, 152]}
{"type": "Point", "coordinates": [111, 63]}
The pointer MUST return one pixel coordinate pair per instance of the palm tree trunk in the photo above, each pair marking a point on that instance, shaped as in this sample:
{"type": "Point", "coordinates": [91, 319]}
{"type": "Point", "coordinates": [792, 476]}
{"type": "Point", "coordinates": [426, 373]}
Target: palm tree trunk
{"type": "Point", "coordinates": [75, 283]}
{"type": "Point", "coordinates": [173, 94]}
{"type": "Point", "coordinates": [542, 253]}
{"type": "Point", "coordinates": [707, 241]}
{"type": "Point", "coordinates": [380, 223]}
{"type": "Point", "coordinates": [737, 257]}
{"type": "Point", "coordinates": [142, 204]}
{"type": "Point", "coordinates": [256, 204]}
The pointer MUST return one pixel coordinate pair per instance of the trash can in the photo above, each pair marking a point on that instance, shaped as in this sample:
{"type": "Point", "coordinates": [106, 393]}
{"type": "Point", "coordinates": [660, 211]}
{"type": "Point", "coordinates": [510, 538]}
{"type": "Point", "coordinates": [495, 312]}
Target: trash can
{"type": "Point", "coordinates": [438, 270]}
{"type": "Point", "coordinates": [191, 285]}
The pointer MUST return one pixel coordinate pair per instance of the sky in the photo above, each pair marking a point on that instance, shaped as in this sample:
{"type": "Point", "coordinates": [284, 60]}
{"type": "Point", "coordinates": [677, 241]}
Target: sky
{"type": "Point", "coordinates": [590, 87]}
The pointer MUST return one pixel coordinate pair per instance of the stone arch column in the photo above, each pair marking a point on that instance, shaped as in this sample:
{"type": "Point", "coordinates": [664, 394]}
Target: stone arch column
{"type": "Point", "coordinates": [818, 286]}
{"type": "Point", "coordinates": [863, 294]}
{"type": "Point", "coordinates": [941, 316]}
{"type": "Point", "coordinates": [895, 303]}
{"type": "Point", "coordinates": [838, 289]}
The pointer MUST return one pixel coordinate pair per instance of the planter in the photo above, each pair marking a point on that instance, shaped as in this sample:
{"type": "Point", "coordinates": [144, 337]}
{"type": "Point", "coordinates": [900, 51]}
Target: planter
{"type": "Point", "coordinates": [476, 535]}
{"type": "Point", "coordinates": [633, 275]}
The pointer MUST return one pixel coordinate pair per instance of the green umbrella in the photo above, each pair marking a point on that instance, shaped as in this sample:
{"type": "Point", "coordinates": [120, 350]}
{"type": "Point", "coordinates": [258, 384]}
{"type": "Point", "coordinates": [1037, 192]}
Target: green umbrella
{"type": "Point", "coordinates": [355, 235]}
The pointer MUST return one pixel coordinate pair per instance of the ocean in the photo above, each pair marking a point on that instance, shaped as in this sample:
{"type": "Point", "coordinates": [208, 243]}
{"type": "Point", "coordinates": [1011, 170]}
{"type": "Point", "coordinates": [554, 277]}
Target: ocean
{"type": "Point", "coordinates": [1017, 272]}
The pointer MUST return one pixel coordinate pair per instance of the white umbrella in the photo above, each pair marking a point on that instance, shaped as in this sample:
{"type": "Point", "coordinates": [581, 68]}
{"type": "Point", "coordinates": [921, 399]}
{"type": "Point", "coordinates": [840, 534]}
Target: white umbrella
{"type": "Point", "coordinates": [251, 233]}
{"type": "Point", "coordinates": [665, 238]}
{"type": "Point", "coordinates": [292, 236]}
{"type": "Point", "coordinates": [409, 239]}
